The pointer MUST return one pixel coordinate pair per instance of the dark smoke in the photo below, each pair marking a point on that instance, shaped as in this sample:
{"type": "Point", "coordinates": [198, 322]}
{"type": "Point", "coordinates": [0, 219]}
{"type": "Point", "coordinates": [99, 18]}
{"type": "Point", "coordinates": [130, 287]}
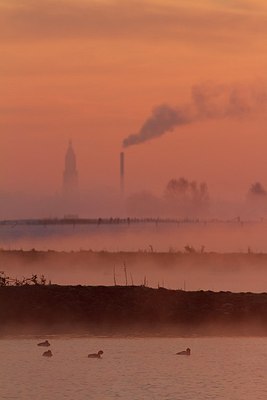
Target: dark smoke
{"type": "Point", "coordinates": [164, 119]}
{"type": "Point", "coordinates": [207, 102]}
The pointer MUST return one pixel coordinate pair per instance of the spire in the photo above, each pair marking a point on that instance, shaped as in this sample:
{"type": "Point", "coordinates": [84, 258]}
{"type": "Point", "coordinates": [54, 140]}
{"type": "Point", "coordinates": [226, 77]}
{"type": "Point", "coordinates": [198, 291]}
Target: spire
{"type": "Point", "coordinates": [70, 160]}
{"type": "Point", "coordinates": [70, 175]}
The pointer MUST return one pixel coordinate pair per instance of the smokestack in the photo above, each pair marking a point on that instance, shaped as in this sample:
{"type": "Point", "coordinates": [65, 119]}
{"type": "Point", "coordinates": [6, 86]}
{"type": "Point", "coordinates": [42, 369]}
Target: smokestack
{"type": "Point", "coordinates": [122, 173]}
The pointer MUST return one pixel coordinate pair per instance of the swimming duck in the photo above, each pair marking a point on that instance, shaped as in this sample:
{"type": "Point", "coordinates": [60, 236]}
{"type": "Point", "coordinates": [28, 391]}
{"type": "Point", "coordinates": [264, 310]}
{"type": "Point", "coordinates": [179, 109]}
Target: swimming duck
{"type": "Point", "coordinates": [186, 352]}
{"type": "Point", "coordinates": [96, 355]}
{"type": "Point", "coordinates": [44, 344]}
{"type": "Point", "coordinates": [48, 353]}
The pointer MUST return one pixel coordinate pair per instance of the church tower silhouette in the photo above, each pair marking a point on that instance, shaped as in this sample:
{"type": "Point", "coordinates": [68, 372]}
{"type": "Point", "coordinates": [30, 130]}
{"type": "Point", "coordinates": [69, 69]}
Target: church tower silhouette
{"type": "Point", "coordinates": [70, 175]}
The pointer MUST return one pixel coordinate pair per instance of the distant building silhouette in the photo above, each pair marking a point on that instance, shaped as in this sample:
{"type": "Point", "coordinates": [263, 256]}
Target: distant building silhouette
{"type": "Point", "coordinates": [70, 175]}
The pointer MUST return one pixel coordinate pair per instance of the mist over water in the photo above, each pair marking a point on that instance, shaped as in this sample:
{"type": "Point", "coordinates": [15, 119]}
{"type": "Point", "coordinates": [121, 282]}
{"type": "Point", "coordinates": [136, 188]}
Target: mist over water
{"type": "Point", "coordinates": [232, 236]}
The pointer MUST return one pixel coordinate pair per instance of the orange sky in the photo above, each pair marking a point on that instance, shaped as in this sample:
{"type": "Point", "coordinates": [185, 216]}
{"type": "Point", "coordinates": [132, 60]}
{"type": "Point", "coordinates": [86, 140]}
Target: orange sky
{"type": "Point", "coordinates": [93, 71]}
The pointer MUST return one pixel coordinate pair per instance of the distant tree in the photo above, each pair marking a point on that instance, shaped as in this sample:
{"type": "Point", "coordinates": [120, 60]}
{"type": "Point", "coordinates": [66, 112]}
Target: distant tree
{"type": "Point", "coordinates": [177, 188]}
{"type": "Point", "coordinates": [187, 197]}
{"type": "Point", "coordinates": [257, 200]}
{"type": "Point", "coordinates": [256, 189]}
{"type": "Point", "coordinates": [191, 191]}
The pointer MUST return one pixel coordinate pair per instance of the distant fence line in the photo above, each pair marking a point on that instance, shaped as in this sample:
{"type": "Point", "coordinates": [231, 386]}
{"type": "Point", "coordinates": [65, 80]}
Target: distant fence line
{"type": "Point", "coordinates": [123, 221]}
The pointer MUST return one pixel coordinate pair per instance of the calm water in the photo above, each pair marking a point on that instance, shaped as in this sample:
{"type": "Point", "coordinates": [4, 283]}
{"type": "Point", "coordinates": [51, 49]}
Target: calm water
{"type": "Point", "coordinates": [136, 369]}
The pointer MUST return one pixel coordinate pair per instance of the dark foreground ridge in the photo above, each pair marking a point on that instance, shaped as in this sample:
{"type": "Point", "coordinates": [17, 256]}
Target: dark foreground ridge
{"type": "Point", "coordinates": [129, 310]}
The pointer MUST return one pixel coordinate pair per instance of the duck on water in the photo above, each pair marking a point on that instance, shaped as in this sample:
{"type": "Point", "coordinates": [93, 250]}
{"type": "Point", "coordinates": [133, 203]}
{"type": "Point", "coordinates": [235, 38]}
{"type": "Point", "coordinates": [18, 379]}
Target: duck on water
{"type": "Point", "coordinates": [44, 344]}
{"type": "Point", "coordinates": [186, 352]}
{"type": "Point", "coordinates": [48, 353]}
{"type": "Point", "coordinates": [96, 355]}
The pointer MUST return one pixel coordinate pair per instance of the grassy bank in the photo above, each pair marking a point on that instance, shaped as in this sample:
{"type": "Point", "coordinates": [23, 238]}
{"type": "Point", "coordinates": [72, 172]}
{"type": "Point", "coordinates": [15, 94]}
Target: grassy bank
{"type": "Point", "coordinates": [131, 310]}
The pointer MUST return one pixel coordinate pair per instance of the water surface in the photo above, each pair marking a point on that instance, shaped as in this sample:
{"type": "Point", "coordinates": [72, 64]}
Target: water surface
{"type": "Point", "coordinates": [134, 369]}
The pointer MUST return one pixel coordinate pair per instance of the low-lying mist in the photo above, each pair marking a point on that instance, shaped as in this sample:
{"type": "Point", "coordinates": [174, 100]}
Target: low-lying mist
{"type": "Point", "coordinates": [187, 270]}
{"type": "Point", "coordinates": [188, 255]}
{"type": "Point", "coordinates": [180, 197]}
{"type": "Point", "coordinates": [230, 236]}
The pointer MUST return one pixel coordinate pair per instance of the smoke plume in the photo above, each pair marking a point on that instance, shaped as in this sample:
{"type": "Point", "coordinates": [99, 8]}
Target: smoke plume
{"type": "Point", "coordinates": [207, 102]}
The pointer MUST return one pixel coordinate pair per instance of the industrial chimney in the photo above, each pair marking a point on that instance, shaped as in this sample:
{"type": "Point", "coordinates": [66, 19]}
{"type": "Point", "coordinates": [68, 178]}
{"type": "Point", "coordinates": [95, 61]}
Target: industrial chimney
{"type": "Point", "coordinates": [122, 173]}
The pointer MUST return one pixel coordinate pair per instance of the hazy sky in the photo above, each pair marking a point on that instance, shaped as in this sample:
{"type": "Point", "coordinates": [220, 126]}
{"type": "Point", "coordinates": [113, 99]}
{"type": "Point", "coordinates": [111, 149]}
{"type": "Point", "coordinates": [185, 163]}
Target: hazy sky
{"type": "Point", "coordinates": [94, 70]}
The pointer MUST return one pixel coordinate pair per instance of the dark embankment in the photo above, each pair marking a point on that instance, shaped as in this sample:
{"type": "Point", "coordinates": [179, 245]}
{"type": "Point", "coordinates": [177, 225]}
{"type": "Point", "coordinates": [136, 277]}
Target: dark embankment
{"type": "Point", "coordinates": [136, 310]}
